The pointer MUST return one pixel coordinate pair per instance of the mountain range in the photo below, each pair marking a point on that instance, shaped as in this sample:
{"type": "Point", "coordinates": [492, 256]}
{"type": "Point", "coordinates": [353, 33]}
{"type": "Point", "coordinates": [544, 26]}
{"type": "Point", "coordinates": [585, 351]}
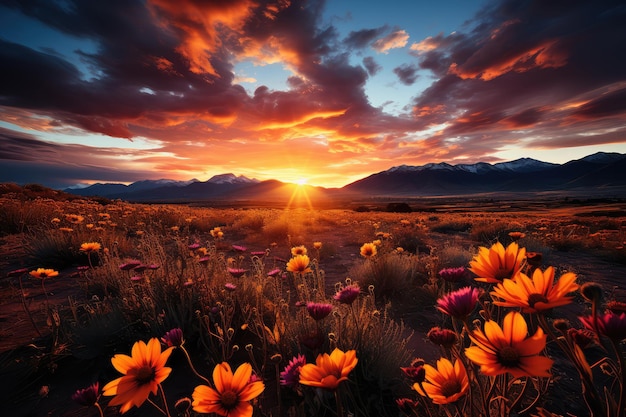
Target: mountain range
{"type": "Point", "coordinates": [600, 174]}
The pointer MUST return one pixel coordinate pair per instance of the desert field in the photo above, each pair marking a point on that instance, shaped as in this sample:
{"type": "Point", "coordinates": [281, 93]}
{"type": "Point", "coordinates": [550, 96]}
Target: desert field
{"type": "Point", "coordinates": [441, 306]}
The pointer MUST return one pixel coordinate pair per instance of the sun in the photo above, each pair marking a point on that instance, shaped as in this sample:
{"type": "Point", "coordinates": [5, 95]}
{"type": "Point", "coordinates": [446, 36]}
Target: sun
{"type": "Point", "coordinates": [301, 181]}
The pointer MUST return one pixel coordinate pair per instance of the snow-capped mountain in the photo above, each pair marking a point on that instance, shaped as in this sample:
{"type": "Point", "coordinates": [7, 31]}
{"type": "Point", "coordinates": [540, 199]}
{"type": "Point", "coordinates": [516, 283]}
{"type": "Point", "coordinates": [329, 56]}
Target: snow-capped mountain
{"type": "Point", "coordinates": [231, 179]}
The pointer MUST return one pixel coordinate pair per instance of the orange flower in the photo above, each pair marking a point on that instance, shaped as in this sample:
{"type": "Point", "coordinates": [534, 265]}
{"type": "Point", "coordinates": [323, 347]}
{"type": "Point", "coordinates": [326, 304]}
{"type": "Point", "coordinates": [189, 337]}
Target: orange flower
{"type": "Point", "coordinates": [368, 250]}
{"type": "Point", "coordinates": [43, 273]}
{"type": "Point", "coordinates": [299, 263]}
{"type": "Point", "coordinates": [444, 384]}
{"type": "Point", "coordinates": [143, 372]}
{"type": "Point", "coordinates": [538, 294]}
{"type": "Point", "coordinates": [90, 247]}
{"type": "Point", "coordinates": [317, 245]}
{"type": "Point", "coordinates": [508, 349]}
{"type": "Point", "coordinates": [231, 394]}
{"type": "Point", "coordinates": [329, 370]}
{"type": "Point", "coordinates": [496, 263]}
{"type": "Point", "coordinates": [298, 250]}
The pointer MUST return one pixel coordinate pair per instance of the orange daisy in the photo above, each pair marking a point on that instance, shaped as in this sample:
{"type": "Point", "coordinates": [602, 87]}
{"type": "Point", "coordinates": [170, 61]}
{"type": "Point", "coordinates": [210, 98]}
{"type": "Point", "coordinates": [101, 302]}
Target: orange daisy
{"type": "Point", "coordinates": [90, 247]}
{"type": "Point", "coordinates": [496, 263]}
{"type": "Point", "coordinates": [329, 370]}
{"type": "Point", "coordinates": [444, 384]}
{"type": "Point", "coordinates": [143, 371]}
{"type": "Point", "coordinates": [43, 273]}
{"type": "Point", "coordinates": [508, 349]}
{"type": "Point", "coordinates": [368, 250]}
{"type": "Point", "coordinates": [231, 394]}
{"type": "Point", "coordinates": [299, 263]}
{"type": "Point", "coordinates": [536, 295]}
{"type": "Point", "coordinates": [298, 250]}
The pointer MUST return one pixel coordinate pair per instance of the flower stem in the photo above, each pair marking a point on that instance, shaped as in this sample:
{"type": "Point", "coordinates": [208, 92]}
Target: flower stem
{"type": "Point", "coordinates": [339, 403]}
{"type": "Point", "coordinates": [193, 369]}
{"type": "Point", "coordinates": [99, 409]}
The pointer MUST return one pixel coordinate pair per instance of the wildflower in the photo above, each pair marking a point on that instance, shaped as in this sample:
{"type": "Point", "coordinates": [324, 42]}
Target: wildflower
{"type": "Point", "coordinates": [496, 263]}
{"type": "Point", "coordinates": [368, 250]}
{"type": "Point", "coordinates": [90, 247]}
{"type": "Point", "coordinates": [517, 235]}
{"type": "Point", "coordinates": [290, 376]}
{"type": "Point", "coordinates": [216, 232]}
{"type": "Point", "coordinates": [536, 295]}
{"type": "Point", "coordinates": [143, 372]}
{"type": "Point", "coordinates": [508, 349]}
{"type": "Point", "coordinates": [299, 263]}
{"type": "Point", "coordinates": [55, 220]}
{"type": "Point", "coordinates": [74, 218]}
{"type": "Point", "coordinates": [66, 229]}
{"type": "Point", "coordinates": [609, 324]}
{"type": "Point", "coordinates": [312, 340]}
{"type": "Point", "coordinates": [442, 337]}
{"type": "Point", "coordinates": [239, 248]}
{"type": "Point", "coordinates": [616, 306]}
{"type": "Point", "coordinates": [174, 228]}
{"type": "Point", "coordinates": [298, 250]}
{"type": "Point", "coordinates": [406, 405]}
{"type": "Point", "coordinates": [416, 371]}
{"type": "Point", "coordinates": [319, 311]}
{"type": "Point", "coordinates": [87, 396]}
{"type": "Point", "coordinates": [173, 338]}
{"type": "Point", "coordinates": [317, 245]}
{"type": "Point", "coordinates": [273, 272]}
{"type": "Point", "coordinates": [453, 274]}
{"type": "Point", "coordinates": [581, 337]}
{"type": "Point", "coordinates": [591, 291]}
{"type": "Point", "coordinates": [459, 304]}
{"type": "Point", "coordinates": [533, 259]}
{"type": "Point", "coordinates": [194, 246]}
{"type": "Point", "coordinates": [444, 384]}
{"type": "Point", "coordinates": [236, 272]}
{"type": "Point", "coordinates": [377, 242]}
{"type": "Point", "coordinates": [17, 272]}
{"type": "Point", "coordinates": [348, 294]}
{"type": "Point", "coordinates": [204, 260]}
{"type": "Point", "coordinates": [136, 278]}
{"type": "Point", "coordinates": [127, 266]}
{"type": "Point", "coordinates": [231, 394]}
{"type": "Point", "coordinates": [329, 370]}
{"type": "Point", "coordinates": [259, 253]}
{"type": "Point", "coordinates": [230, 286]}
{"type": "Point", "coordinates": [43, 273]}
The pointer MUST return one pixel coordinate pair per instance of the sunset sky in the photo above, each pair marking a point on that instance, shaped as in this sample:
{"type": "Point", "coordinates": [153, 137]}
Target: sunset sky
{"type": "Point", "coordinates": [326, 92]}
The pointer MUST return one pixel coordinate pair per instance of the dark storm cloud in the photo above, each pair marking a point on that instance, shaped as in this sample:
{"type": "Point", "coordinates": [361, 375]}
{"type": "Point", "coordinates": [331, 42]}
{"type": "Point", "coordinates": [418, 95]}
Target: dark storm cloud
{"type": "Point", "coordinates": [406, 73]}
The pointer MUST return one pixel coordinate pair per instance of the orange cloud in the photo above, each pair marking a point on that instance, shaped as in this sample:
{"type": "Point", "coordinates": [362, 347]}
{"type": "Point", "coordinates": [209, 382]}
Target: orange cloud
{"type": "Point", "coordinates": [397, 39]}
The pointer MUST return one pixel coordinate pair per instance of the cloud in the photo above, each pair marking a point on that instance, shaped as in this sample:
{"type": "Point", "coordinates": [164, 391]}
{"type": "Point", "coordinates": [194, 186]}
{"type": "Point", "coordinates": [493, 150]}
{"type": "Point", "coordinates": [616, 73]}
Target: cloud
{"type": "Point", "coordinates": [371, 65]}
{"type": "Point", "coordinates": [406, 73]}
{"type": "Point", "coordinates": [396, 39]}
{"type": "Point", "coordinates": [362, 38]}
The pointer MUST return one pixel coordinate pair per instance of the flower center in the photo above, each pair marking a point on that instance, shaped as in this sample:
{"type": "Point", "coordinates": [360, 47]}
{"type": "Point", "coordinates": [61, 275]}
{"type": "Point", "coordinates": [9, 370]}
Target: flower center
{"type": "Point", "coordinates": [503, 273]}
{"type": "Point", "coordinates": [229, 399]}
{"type": "Point", "coordinates": [536, 298]}
{"type": "Point", "coordinates": [508, 357]}
{"type": "Point", "coordinates": [450, 387]}
{"type": "Point", "coordinates": [145, 375]}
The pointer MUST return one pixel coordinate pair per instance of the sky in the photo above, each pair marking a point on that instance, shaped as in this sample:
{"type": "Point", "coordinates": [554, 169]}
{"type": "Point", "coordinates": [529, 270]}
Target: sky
{"type": "Point", "coordinates": [322, 92]}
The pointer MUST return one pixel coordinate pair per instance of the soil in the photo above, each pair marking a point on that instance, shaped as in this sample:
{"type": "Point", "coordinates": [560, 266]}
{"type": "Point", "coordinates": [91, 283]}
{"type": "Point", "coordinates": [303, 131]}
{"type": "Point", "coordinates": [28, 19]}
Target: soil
{"type": "Point", "coordinates": [25, 334]}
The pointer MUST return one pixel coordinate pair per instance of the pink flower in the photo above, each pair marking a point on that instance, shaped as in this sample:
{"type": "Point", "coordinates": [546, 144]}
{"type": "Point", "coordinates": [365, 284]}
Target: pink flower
{"type": "Point", "coordinates": [173, 338]}
{"type": "Point", "coordinates": [460, 303]}
{"type": "Point", "coordinates": [87, 396]}
{"type": "Point", "coordinates": [236, 272]}
{"type": "Point", "coordinates": [290, 377]}
{"type": "Point", "coordinates": [609, 324]}
{"type": "Point", "coordinates": [348, 294]}
{"type": "Point", "coordinates": [453, 274]}
{"type": "Point", "coordinates": [319, 310]}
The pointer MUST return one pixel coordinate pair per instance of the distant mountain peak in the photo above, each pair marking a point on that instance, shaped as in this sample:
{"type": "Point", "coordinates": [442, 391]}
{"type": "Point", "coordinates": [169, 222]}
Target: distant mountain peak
{"type": "Point", "coordinates": [231, 179]}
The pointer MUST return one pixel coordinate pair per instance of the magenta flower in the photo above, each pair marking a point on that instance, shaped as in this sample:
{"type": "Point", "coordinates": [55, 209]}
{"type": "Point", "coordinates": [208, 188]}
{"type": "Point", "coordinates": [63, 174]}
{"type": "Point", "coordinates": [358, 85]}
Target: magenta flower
{"type": "Point", "coordinates": [319, 311]}
{"type": "Point", "coordinates": [236, 272]}
{"type": "Point", "coordinates": [348, 294]}
{"type": "Point", "coordinates": [460, 303]}
{"type": "Point", "coordinates": [290, 377]}
{"type": "Point", "coordinates": [194, 246]}
{"type": "Point", "coordinates": [136, 278]}
{"type": "Point", "coordinates": [609, 324]}
{"type": "Point", "coordinates": [87, 396]}
{"type": "Point", "coordinates": [230, 286]}
{"type": "Point", "coordinates": [127, 266]}
{"type": "Point", "coordinates": [239, 248]}
{"type": "Point", "coordinates": [273, 272]}
{"type": "Point", "coordinates": [258, 253]}
{"type": "Point", "coordinates": [173, 338]}
{"type": "Point", "coordinates": [453, 274]}
{"type": "Point", "coordinates": [442, 337]}
{"type": "Point", "coordinates": [203, 260]}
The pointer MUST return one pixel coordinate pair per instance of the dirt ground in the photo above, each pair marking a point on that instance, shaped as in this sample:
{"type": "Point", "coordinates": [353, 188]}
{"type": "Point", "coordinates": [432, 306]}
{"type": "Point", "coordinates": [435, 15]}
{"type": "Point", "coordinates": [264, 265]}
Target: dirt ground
{"type": "Point", "coordinates": [22, 324]}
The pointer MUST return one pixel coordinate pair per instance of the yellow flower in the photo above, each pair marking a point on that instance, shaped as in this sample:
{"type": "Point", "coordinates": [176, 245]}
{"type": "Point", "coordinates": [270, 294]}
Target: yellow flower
{"type": "Point", "coordinates": [44, 273]}
{"type": "Point", "coordinates": [74, 218]}
{"type": "Point", "coordinates": [90, 247]}
{"type": "Point", "coordinates": [538, 294]}
{"type": "Point", "coordinates": [496, 263]}
{"type": "Point", "coordinates": [329, 370]}
{"type": "Point", "coordinates": [143, 371]}
{"type": "Point", "coordinates": [508, 349]}
{"type": "Point", "coordinates": [298, 250]}
{"type": "Point", "coordinates": [299, 263]}
{"type": "Point", "coordinates": [368, 250]}
{"type": "Point", "coordinates": [444, 384]}
{"type": "Point", "coordinates": [231, 394]}
{"type": "Point", "coordinates": [317, 245]}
